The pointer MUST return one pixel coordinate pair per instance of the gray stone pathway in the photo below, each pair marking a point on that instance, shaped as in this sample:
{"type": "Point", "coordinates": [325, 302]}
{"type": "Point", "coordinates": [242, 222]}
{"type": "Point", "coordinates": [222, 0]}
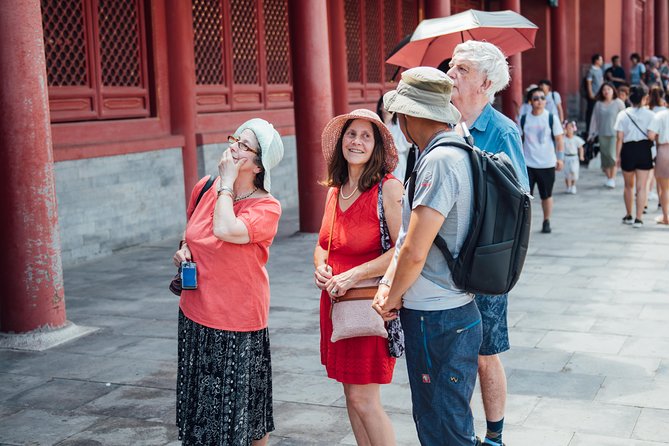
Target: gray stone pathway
{"type": "Point", "coordinates": [589, 363]}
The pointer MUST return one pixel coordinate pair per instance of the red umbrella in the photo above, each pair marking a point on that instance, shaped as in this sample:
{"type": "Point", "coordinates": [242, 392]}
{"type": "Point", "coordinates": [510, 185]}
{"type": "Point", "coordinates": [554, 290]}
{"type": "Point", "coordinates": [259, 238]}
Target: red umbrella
{"type": "Point", "coordinates": [434, 39]}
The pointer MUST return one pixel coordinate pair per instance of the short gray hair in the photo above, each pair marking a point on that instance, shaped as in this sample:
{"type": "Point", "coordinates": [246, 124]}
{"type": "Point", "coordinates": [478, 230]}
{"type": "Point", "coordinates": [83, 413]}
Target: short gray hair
{"type": "Point", "coordinates": [489, 60]}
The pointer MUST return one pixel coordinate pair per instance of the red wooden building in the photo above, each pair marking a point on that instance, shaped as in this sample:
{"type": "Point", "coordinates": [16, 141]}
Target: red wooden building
{"type": "Point", "coordinates": [112, 109]}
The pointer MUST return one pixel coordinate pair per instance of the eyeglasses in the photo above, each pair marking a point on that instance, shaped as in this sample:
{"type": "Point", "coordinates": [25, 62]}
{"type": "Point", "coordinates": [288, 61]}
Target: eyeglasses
{"type": "Point", "coordinates": [538, 98]}
{"type": "Point", "coordinates": [233, 140]}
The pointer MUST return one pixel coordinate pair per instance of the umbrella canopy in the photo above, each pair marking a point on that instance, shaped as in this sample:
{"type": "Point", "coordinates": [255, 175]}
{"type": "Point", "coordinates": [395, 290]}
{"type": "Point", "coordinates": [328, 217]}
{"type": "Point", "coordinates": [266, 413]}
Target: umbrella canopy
{"type": "Point", "coordinates": [435, 39]}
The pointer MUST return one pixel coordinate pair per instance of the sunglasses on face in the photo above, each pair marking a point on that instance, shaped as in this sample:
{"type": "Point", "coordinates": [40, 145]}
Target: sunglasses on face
{"type": "Point", "coordinates": [233, 140]}
{"type": "Point", "coordinates": [538, 98]}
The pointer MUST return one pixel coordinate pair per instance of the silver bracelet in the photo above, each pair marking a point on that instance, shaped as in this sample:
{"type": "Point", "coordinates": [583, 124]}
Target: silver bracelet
{"type": "Point", "coordinates": [223, 189]}
{"type": "Point", "coordinates": [385, 282]}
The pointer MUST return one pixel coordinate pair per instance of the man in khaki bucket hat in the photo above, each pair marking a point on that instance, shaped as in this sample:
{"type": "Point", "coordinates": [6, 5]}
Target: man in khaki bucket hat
{"type": "Point", "coordinates": [442, 324]}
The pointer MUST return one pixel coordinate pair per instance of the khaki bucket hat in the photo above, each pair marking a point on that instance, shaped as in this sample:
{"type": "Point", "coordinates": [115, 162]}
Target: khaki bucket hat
{"type": "Point", "coordinates": [424, 92]}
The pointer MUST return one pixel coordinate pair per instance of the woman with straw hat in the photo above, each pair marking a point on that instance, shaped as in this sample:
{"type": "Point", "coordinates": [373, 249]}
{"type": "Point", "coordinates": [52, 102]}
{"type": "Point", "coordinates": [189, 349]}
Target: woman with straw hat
{"type": "Point", "coordinates": [360, 154]}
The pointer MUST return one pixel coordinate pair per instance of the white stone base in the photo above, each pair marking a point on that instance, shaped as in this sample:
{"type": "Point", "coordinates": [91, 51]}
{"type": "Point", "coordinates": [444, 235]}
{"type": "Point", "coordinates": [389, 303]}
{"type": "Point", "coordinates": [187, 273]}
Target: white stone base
{"type": "Point", "coordinates": [44, 338]}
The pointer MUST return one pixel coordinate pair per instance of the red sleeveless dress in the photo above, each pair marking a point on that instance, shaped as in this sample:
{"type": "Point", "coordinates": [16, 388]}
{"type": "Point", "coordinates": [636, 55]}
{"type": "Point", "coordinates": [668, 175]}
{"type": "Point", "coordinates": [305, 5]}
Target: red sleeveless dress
{"type": "Point", "coordinates": [356, 239]}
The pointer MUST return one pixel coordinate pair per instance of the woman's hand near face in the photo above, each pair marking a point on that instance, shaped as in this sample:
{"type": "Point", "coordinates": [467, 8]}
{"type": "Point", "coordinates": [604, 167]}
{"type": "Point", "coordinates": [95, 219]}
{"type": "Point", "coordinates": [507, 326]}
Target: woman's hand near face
{"type": "Point", "coordinates": [182, 255]}
{"type": "Point", "coordinates": [228, 168]}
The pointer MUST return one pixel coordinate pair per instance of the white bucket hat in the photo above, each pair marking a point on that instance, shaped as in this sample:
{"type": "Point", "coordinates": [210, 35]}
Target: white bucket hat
{"type": "Point", "coordinates": [271, 146]}
{"type": "Point", "coordinates": [424, 92]}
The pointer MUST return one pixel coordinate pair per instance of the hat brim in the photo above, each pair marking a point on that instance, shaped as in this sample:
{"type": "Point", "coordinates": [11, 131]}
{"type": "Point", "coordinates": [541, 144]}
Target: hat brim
{"type": "Point", "coordinates": [396, 103]}
{"type": "Point", "coordinates": [333, 129]}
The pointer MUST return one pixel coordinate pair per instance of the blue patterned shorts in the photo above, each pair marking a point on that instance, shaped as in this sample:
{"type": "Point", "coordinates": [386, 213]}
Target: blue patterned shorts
{"type": "Point", "coordinates": [495, 328]}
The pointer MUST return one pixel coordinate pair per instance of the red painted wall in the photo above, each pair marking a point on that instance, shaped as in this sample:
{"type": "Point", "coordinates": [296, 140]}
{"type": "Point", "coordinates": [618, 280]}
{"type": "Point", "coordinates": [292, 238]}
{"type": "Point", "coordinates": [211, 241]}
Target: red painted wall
{"type": "Point", "coordinates": [536, 62]}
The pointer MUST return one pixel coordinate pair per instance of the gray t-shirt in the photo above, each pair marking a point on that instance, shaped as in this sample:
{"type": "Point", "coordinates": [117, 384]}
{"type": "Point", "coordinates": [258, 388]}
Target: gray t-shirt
{"type": "Point", "coordinates": [596, 75]}
{"type": "Point", "coordinates": [443, 183]}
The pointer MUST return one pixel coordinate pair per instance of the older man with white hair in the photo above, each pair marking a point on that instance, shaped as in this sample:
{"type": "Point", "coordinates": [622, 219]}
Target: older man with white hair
{"type": "Point", "coordinates": [479, 70]}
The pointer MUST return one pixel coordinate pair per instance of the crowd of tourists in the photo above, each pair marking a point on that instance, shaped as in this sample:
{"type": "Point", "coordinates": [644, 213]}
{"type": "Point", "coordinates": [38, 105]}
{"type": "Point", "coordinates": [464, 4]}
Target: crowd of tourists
{"type": "Point", "coordinates": [626, 123]}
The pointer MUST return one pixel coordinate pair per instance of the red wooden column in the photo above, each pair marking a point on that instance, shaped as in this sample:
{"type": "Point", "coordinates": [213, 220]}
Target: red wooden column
{"type": "Point", "coordinates": [558, 39]}
{"type": "Point", "coordinates": [339, 64]}
{"type": "Point", "coordinates": [662, 27]}
{"type": "Point", "coordinates": [628, 44]}
{"type": "Point", "coordinates": [308, 23]}
{"type": "Point", "coordinates": [181, 68]}
{"type": "Point", "coordinates": [437, 8]}
{"type": "Point", "coordinates": [649, 28]}
{"type": "Point", "coordinates": [32, 290]}
{"type": "Point", "coordinates": [512, 97]}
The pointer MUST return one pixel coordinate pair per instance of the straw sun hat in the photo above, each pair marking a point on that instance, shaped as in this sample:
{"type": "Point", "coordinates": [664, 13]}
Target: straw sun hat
{"type": "Point", "coordinates": [333, 129]}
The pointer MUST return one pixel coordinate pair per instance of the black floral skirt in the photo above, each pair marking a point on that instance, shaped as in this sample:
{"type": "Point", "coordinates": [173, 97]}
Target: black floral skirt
{"type": "Point", "coordinates": [224, 385]}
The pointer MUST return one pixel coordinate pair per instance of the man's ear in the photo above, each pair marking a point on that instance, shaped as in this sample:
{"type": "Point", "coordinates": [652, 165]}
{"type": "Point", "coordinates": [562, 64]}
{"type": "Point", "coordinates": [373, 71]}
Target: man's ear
{"type": "Point", "coordinates": [485, 85]}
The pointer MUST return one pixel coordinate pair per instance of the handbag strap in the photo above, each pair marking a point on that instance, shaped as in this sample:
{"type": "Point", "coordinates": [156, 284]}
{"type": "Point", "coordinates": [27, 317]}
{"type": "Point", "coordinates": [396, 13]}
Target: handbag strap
{"type": "Point", "coordinates": [383, 225]}
{"type": "Point", "coordinates": [635, 124]}
{"type": "Point", "coordinates": [205, 188]}
{"type": "Point", "coordinates": [334, 217]}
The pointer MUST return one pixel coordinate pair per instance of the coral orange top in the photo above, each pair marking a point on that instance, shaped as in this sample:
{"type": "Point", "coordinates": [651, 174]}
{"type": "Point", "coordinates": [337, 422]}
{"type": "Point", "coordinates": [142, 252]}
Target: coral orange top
{"type": "Point", "coordinates": [233, 285]}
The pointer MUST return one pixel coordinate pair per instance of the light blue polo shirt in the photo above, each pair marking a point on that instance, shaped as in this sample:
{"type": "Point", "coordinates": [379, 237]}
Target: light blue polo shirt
{"type": "Point", "coordinates": [494, 132]}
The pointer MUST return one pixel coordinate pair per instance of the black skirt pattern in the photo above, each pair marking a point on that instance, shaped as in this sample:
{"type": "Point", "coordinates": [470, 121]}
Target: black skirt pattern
{"type": "Point", "coordinates": [224, 385]}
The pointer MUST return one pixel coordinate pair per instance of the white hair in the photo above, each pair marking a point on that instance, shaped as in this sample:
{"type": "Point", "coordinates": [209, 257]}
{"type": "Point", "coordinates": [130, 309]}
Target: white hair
{"type": "Point", "coordinates": [487, 59]}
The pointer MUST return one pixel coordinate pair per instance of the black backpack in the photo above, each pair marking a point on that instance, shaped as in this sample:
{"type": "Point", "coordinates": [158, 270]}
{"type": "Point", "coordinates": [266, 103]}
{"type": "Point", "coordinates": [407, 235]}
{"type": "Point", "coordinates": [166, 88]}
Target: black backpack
{"type": "Point", "coordinates": [493, 253]}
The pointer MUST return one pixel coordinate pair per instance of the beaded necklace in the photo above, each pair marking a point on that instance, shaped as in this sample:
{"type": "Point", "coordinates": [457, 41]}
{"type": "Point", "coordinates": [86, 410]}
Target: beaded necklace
{"type": "Point", "coordinates": [246, 196]}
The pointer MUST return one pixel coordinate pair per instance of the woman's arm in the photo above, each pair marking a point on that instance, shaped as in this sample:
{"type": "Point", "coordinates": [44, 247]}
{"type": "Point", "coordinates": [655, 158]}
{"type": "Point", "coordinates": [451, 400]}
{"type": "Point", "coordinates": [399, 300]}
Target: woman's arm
{"type": "Point", "coordinates": [619, 146]}
{"type": "Point", "coordinates": [594, 122]}
{"type": "Point", "coordinates": [322, 271]}
{"type": "Point", "coordinates": [392, 197]}
{"type": "Point", "coordinates": [183, 254]}
{"type": "Point", "coordinates": [227, 226]}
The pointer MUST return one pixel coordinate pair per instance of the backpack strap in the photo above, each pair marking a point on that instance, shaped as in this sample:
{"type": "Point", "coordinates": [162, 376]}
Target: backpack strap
{"type": "Point", "coordinates": [550, 124]}
{"type": "Point", "coordinates": [439, 240]}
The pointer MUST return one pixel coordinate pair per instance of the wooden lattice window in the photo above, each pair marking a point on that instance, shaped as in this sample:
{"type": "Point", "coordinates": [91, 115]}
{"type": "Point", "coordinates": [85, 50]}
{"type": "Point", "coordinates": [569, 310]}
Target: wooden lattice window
{"type": "Point", "coordinates": [96, 59]}
{"type": "Point", "coordinates": [242, 55]}
{"type": "Point", "coordinates": [373, 28]}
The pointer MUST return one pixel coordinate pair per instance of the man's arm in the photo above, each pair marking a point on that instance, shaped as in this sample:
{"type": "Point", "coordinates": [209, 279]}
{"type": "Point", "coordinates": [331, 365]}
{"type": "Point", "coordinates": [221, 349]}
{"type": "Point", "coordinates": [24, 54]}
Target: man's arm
{"type": "Point", "coordinates": [424, 226]}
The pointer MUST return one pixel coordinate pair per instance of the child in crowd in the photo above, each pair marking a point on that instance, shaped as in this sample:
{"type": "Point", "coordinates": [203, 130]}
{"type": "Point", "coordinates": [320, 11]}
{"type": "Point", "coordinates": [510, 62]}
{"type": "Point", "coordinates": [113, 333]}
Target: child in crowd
{"type": "Point", "coordinates": [573, 152]}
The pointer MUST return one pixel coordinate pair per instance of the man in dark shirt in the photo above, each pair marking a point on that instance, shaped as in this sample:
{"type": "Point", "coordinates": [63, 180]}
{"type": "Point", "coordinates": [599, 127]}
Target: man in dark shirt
{"type": "Point", "coordinates": [615, 73]}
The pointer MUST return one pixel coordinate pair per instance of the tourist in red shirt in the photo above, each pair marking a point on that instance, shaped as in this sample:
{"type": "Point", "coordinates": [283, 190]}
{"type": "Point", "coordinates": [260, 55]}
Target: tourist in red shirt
{"type": "Point", "coordinates": [360, 156]}
{"type": "Point", "coordinates": [224, 378]}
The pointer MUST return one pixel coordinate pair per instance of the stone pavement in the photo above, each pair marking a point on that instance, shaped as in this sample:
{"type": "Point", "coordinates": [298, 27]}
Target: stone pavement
{"type": "Point", "coordinates": [589, 363]}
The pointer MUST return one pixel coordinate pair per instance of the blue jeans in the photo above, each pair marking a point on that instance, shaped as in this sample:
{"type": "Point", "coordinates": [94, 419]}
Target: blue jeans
{"type": "Point", "coordinates": [442, 361]}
